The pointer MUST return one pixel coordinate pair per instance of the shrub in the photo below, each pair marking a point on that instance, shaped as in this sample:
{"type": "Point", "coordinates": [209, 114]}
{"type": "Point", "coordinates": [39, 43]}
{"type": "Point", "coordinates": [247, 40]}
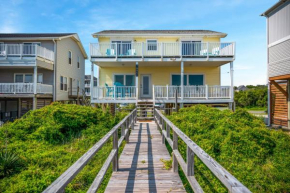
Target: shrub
{"type": "Point", "coordinates": [10, 163]}
{"type": "Point", "coordinates": [50, 140]}
{"type": "Point", "coordinates": [241, 143]}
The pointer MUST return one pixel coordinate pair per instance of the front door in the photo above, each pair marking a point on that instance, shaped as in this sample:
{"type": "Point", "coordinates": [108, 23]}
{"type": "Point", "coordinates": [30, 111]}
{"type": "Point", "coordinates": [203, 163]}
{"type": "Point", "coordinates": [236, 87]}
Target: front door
{"type": "Point", "coordinates": [145, 86]}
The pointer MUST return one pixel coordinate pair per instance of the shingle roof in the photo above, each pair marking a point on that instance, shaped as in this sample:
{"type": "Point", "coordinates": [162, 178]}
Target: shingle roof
{"type": "Point", "coordinates": [174, 32]}
{"type": "Point", "coordinates": [34, 35]}
{"type": "Point", "coordinates": [275, 6]}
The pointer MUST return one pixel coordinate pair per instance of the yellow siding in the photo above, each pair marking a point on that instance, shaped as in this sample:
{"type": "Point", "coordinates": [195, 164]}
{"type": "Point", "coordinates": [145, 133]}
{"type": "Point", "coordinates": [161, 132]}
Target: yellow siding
{"type": "Point", "coordinates": [209, 39]}
{"type": "Point", "coordinates": [160, 75]}
{"type": "Point", "coordinates": [104, 39]}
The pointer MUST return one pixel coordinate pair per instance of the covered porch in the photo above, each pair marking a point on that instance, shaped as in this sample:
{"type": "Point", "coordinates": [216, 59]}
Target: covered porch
{"type": "Point", "coordinates": [161, 82]}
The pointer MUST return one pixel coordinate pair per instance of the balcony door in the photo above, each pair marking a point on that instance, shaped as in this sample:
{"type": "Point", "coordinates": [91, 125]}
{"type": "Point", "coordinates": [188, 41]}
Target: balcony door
{"type": "Point", "coordinates": [191, 48]}
{"type": "Point", "coordinates": [146, 86]}
{"type": "Point", "coordinates": [29, 48]}
{"type": "Point", "coordinates": [123, 47]}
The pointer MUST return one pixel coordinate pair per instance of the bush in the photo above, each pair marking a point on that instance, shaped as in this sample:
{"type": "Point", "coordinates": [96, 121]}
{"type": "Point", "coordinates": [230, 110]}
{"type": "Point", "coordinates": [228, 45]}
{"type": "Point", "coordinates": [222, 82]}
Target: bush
{"type": "Point", "coordinates": [10, 163]}
{"type": "Point", "coordinates": [51, 139]}
{"type": "Point", "coordinates": [240, 142]}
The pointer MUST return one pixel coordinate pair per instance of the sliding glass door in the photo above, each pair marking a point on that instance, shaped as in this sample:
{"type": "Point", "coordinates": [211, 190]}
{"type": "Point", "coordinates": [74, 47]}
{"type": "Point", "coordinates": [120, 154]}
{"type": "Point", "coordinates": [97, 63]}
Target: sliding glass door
{"type": "Point", "coordinates": [123, 47]}
{"type": "Point", "coordinates": [191, 48]}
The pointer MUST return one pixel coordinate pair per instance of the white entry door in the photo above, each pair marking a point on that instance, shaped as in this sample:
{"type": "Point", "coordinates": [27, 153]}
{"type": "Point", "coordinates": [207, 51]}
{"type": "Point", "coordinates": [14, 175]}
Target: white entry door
{"type": "Point", "coordinates": [146, 86]}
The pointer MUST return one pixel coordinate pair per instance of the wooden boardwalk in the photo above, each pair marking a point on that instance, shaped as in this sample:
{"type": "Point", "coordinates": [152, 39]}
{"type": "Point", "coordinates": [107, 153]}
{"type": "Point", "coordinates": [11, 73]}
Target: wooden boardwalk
{"type": "Point", "coordinates": [140, 167]}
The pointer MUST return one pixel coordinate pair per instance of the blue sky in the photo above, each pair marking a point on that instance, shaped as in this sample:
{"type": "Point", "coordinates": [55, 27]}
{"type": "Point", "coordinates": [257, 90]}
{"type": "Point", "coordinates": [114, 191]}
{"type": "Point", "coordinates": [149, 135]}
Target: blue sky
{"type": "Point", "coordinates": [238, 18]}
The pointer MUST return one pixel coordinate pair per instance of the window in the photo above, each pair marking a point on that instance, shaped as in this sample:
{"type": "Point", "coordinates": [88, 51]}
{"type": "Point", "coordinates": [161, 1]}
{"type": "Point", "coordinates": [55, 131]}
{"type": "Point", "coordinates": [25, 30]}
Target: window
{"type": "Point", "coordinates": [63, 83]}
{"type": "Point", "coordinates": [2, 48]}
{"type": "Point", "coordinates": [29, 47]}
{"type": "Point", "coordinates": [189, 79]}
{"type": "Point", "coordinates": [27, 78]}
{"type": "Point", "coordinates": [19, 78]}
{"type": "Point", "coordinates": [124, 80]}
{"type": "Point", "coordinates": [69, 57]}
{"type": "Point", "coordinates": [152, 45]}
{"type": "Point", "coordinates": [78, 62]}
{"type": "Point", "coordinates": [78, 83]}
{"type": "Point", "coordinates": [40, 78]}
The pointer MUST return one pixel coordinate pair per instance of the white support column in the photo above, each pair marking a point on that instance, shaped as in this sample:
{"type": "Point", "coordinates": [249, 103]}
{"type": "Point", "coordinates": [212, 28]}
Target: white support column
{"type": "Point", "coordinates": [35, 80]}
{"type": "Point", "coordinates": [232, 81]}
{"type": "Point", "coordinates": [92, 80]}
{"type": "Point", "coordinates": [35, 87]}
{"type": "Point", "coordinates": [136, 80]}
{"type": "Point", "coordinates": [181, 79]}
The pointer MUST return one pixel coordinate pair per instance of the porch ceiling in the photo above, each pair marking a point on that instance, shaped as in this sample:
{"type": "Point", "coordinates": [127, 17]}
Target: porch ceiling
{"type": "Point", "coordinates": [163, 64]}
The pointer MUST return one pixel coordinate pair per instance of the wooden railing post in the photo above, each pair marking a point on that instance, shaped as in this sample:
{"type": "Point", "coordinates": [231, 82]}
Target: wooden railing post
{"type": "Point", "coordinates": [127, 127]}
{"type": "Point", "coordinates": [190, 162]}
{"type": "Point", "coordinates": [167, 131]}
{"type": "Point", "coordinates": [115, 147]}
{"type": "Point", "coordinates": [162, 129]}
{"type": "Point", "coordinates": [175, 147]}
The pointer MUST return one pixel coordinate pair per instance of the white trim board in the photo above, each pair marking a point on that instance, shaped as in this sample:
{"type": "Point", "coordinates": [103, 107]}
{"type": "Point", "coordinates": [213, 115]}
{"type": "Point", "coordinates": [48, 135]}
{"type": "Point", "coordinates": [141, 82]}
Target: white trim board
{"type": "Point", "coordinates": [279, 41]}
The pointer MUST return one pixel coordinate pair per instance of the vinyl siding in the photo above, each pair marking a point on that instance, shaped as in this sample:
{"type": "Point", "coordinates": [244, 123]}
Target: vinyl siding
{"type": "Point", "coordinates": [160, 75]}
{"type": "Point", "coordinates": [279, 25]}
{"type": "Point", "coordinates": [63, 68]}
{"type": "Point", "coordinates": [7, 75]}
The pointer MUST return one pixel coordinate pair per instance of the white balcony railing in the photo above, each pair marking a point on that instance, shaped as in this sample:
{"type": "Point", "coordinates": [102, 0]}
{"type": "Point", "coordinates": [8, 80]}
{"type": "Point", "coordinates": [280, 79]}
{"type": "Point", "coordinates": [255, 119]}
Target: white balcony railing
{"type": "Point", "coordinates": [192, 92]}
{"type": "Point", "coordinates": [163, 92]}
{"type": "Point", "coordinates": [25, 88]}
{"type": "Point", "coordinates": [114, 92]}
{"type": "Point", "coordinates": [179, 49]}
{"type": "Point", "coordinates": [25, 50]}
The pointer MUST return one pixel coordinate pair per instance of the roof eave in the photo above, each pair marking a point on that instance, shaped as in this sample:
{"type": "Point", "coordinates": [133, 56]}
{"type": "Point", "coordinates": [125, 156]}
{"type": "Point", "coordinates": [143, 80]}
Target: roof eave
{"type": "Point", "coordinates": [97, 35]}
{"type": "Point", "coordinates": [275, 6]}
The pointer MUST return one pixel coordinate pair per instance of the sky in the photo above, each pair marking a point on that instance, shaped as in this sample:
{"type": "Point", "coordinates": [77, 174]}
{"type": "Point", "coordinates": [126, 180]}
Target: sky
{"type": "Point", "coordinates": [240, 19]}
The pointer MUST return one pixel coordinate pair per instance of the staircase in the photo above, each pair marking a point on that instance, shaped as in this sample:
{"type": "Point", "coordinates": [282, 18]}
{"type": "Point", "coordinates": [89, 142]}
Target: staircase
{"type": "Point", "coordinates": [145, 110]}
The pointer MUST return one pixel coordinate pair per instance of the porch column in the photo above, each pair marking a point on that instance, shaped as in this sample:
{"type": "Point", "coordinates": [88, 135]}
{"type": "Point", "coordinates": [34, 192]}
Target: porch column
{"type": "Point", "coordinates": [136, 77]}
{"type": "Point", "coordinates": [182, 82]}
{"type": "Point", "coordinates": [35, 80]}
{"type": "Point", "coordinates": [288, 84]}
{"type": "Point", "coordinates": [92, 80]}
{"type": "Point", "coordinates": [232, 82]}
{"type": "Point", "coordinates": [34, 88]}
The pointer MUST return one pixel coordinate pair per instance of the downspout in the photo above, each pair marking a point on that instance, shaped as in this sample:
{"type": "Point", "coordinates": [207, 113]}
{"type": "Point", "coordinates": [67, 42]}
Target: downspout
{"type": "Point", "coordinates": [54, 71]}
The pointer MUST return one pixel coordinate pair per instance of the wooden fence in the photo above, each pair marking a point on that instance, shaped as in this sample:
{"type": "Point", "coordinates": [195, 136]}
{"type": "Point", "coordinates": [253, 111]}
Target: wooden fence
{"type": "Point", "coordinates": [60, 183]}
{"type": "Point", "coordinates": [228, 180]}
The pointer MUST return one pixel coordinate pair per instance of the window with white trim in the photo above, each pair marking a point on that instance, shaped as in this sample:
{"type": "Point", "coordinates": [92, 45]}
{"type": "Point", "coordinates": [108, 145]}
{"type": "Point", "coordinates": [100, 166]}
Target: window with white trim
{"type": "Point", "coordinates": [152, 45]}
{"type": "Point", "coordinates": [27, 78]}
{"type": "Point", "coordinates": [63, 83]}
{"type": "Point", "coordinates": [70, 57]}
{"type": "Point", "coordinates": [78, 62]}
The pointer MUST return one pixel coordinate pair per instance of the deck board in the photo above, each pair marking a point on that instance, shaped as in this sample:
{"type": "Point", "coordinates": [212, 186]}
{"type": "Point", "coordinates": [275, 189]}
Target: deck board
{"type": "Point", "coordinates": [140, 168]}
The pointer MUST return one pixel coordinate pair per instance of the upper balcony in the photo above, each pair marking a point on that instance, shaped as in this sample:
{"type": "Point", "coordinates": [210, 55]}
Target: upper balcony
{"type": "Point", "coordinates": [26, 53]}
{"type": "Point", "coordinates": [177, 51]}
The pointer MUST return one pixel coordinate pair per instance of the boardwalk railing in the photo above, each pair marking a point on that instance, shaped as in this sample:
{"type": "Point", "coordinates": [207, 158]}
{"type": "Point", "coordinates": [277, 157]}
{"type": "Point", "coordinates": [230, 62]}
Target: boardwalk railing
{"type": "Point", "coordinates": [60, 183]}
{"type": "Point", "coordinates": [228, 180]}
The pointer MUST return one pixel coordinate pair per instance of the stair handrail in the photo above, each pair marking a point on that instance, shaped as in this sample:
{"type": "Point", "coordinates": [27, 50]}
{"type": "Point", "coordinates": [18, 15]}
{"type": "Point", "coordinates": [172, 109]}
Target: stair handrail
{"type": "Point", "coordinates": [125, 124]}
{"type": "Point", "coordinates": [227, 179]}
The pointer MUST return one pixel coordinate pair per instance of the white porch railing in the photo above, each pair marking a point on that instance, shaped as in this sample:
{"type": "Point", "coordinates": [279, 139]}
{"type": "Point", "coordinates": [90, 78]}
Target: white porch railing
{"type": "Point", "coordinates": [180, 49]}
{"type": "Point", "coordinates": [114, 93]}
{"type": "Point", "coordinates": [44, 88]}
{"type": "Point", "coordinates": [193, 92]}
{"type": "Point", "coordinates": [24, 88]}
{"type": "Point", "coordinates": [24, 50]}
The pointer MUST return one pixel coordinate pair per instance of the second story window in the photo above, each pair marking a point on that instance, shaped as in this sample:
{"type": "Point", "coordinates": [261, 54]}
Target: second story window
{"type": "Point", "coordinates": [78, 62]}
{"type": "Point", "coordinates": [63, 83]}
{"type": "Point", "coordinates": [69, 57]}
{"type": "Point", "coordinates": [152, 45]}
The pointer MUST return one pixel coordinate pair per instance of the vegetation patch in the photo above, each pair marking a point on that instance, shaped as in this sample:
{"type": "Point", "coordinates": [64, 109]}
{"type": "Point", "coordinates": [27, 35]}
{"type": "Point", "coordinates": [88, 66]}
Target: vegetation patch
{"type": "Point", "coordinates": [36, 149]}
{"type": "Point", "coordinates": [240, 142]}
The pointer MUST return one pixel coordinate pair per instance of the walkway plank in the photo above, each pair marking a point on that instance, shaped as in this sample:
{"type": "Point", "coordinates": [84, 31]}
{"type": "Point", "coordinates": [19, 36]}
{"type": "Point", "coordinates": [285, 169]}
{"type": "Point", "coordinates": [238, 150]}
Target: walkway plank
{"type": "Point", "coordinates": [140, 168]}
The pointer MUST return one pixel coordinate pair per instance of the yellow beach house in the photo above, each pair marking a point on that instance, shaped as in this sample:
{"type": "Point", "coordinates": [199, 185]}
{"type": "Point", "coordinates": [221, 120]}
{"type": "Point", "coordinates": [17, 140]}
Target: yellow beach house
{"type": "Point", "coordinates": [148, 65]}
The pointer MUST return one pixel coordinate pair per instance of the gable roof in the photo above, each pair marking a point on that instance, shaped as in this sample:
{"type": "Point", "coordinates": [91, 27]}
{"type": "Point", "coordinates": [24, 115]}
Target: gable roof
{"type": "Point", "coordinates": [275, 6]}
{"type": "Point", "coordinates": [34, 35]}
{"type": "Point", "coordinates": [159, 32]}
{"type": "Point", "coordinates": [44, 36]}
